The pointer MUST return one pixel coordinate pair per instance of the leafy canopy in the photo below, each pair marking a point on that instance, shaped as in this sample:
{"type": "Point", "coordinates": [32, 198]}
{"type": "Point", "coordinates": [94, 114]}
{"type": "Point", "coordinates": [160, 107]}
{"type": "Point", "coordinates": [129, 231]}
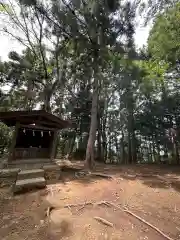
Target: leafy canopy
{"type": "Point", "coordinates": [164, 38]}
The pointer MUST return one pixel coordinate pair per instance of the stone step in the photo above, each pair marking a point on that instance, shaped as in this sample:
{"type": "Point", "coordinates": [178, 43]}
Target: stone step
{"type": "Point", "coordinates": [29, 163]}
{"type": "Point", "coordinates": [29, 184]}
{"type": "Point", "coordinates": [29, 174]}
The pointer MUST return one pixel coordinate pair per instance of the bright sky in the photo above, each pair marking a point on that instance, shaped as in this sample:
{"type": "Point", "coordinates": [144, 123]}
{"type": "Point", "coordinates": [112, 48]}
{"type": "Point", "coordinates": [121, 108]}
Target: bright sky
{"type": "Point", "coordinates": [7, 44]}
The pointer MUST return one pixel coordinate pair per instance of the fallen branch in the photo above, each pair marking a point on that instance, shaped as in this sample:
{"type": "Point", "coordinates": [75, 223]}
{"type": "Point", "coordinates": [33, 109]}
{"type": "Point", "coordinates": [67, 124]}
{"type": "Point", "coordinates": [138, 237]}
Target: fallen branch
{"type": "Point", "coordinates": [104, 221]}
{"type": "Point", "coordinates": [142, 220]}
{"type": "Point", "coordinates": [149, 224]}
{"type": "Point", "coordinates": [103, 203]}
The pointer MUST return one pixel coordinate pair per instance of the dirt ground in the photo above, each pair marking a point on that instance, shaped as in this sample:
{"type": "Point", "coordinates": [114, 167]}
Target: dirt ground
{"type": "Point", "coordinates": [150, 192]}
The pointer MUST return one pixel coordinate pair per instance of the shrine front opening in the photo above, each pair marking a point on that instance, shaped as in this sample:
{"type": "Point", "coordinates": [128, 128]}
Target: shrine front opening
{"type": "Point", "coordinates": [33, 143]}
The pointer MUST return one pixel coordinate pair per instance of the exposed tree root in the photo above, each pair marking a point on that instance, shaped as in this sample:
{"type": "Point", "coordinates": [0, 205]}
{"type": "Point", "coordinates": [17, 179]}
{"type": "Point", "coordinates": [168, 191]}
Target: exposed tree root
{"type": "Point", "coordinates": [101, 175]}
{"type": "Point", "coordinates": [110, 204]}
{"type": "Point", "coordinates": [104, 221]}
{"type": "Point", "coordinates": [81, 208]}
{"type": "Point", "coordinates": [96, 203]}
{"type": "Point", "coordinates": [97, 174]}
{"type": "Point", "coordinates": [81, 205]}
{"type": "Point", "coordinates": [78, 204]}
{"type": "Point", "coordinates": [48, 211]}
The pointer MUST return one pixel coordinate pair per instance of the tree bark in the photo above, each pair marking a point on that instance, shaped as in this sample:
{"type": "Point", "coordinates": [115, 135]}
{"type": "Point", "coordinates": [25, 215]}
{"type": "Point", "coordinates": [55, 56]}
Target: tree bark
{"type": "Point", "coordinates": [110, 148]}
{"type": "Point", "coordinates": [104, 144]}
{"type": "Point", "coordinates": [122, 151]}
{"type": "Point", "coordinates": [93, 126]}
{"type": "Point", "coordinates": [99, 149]}
{"type": "Point", "coordinates": [71, 147]}
{"type": "Point", "coordinates": [177, 152]}
{"type": "Point", "coordinates": [129, 159]}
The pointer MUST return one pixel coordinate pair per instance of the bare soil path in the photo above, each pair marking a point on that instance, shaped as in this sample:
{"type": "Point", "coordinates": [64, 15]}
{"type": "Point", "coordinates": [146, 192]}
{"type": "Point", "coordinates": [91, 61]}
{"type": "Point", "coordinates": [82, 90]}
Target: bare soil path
{"type": "Point", "coordinates": [151, 192]}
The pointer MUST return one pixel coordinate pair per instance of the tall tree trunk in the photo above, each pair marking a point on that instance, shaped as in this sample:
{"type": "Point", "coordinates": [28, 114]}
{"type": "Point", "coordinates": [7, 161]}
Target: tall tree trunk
{"type": "Point", "coordinates": [176, 151]}
{"type": "Point", "coordinates": [123, 155]}
{"type": "Point", "coordinates": [71, 147]}
{"type": "Point", "coordinates": [154, 148]}
{"type": "Point", "coordinates": [47, 99]}
{"type": "Point", "coordinates": [89, 162]}
{"type": "Point", "coordinates": [176, 143]}
{"type": "Point", "coordinates": [109, 148]}
{"type": "Point", "coordinates": [131, 139]}
{"type": "Point", "coordinates": [132, 155]}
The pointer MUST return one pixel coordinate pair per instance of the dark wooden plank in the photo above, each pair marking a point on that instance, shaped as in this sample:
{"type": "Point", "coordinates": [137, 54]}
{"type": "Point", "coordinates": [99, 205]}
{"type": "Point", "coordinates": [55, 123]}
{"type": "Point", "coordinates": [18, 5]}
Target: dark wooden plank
{"type": "Point", "coordinates": [38, 127]}
{"type": "Point", "coordinates": [10, 118]}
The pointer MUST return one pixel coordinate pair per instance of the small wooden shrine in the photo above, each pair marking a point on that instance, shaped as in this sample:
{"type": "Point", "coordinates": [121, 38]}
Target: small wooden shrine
{"type": "Point", "coordinates": [35, 134]}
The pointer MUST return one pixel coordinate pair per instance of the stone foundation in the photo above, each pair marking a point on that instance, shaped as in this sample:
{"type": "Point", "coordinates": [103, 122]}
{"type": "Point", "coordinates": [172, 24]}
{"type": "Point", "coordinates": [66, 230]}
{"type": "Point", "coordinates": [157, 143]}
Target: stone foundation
{"type": "Point", "coordinates": [8, 177]}
{"type": "Point", "coordinates": [52, 172]}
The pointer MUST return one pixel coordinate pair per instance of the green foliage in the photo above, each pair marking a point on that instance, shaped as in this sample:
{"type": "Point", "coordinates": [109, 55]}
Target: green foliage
{"type": "Point", "coordinates": [164, 38]}
{"type": "Point", "coordinates": [5, 7]}
{"type": "Point", "coordinates": [5, 138]}
{"type": "Point", "coordinates": [76, 48]}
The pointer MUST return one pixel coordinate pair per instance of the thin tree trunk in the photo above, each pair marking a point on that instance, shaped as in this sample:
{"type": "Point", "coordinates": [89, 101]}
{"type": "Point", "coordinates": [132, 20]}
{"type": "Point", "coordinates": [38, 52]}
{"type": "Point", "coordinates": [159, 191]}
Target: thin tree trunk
{"type": "Point", "coordinates": [176, 152]}
{"type": "Point", "coordinates": [99, 157]}
{"type": "Point", "coordinates": [104, 144]}
{"type": "Point", "coordinates": [117, 149]}
{"type": "Point", "coordinates": [129, 159]}
{"type": "Point", "coordinates": [158, 153]}
{"type": "Point", "coordinates": [123, 156]}
{"type": "Point", "coordinates": [133, 144]}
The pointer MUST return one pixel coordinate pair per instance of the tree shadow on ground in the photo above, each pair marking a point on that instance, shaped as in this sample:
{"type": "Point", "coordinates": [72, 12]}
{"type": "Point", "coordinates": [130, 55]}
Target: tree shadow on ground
{"type": "Point", "coordinates": [84, 179]}
{"type": "Point", "coordinates": [154, 176]}
{"type": "Point", "coordinates": [31, 190]}
{"type": "Point", "coordinates": [158, 183]}
{"type": "Point", "coordinates": [75, 173]}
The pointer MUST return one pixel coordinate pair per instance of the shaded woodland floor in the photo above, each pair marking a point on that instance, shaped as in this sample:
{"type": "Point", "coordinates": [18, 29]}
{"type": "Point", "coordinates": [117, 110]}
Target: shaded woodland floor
{"type": "Point", "coordinates": [151, 192]}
